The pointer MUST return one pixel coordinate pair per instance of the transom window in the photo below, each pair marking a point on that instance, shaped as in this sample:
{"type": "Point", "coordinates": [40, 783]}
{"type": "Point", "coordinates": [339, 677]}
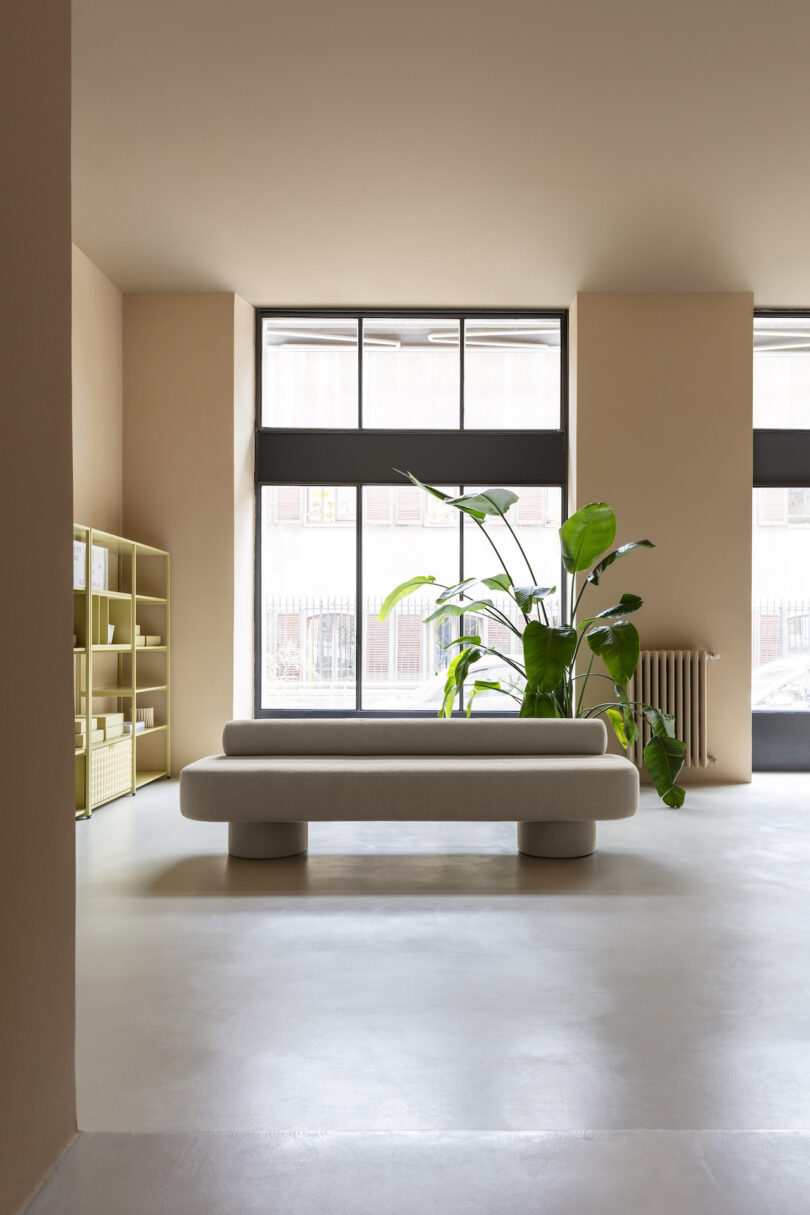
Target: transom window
{"type": "Point", "coordinates": [463, 400]}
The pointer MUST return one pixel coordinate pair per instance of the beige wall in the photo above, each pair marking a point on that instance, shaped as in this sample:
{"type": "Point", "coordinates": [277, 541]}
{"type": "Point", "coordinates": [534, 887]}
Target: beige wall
{"type": "Point", "coordinates": [97, 397]}
{"type": "Point", "coordinates": [37, 1098]}
{"type": "Point", "coordinates": [180, 457]}
{"type": "Point", "coordinates": [661, 399]}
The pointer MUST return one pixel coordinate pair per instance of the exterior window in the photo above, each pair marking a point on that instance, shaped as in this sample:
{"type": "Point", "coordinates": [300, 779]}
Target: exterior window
{"type": "Point", "coordinates": [344, 401]}
{"type": "Point", "coordinates": [781, 541]}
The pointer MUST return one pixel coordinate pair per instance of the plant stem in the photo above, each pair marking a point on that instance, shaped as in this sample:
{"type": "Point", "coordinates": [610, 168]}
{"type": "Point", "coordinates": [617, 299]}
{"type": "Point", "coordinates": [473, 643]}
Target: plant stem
{"type": "Point", "coordinates": [585, 684]}
{"type": "Point", "coordinates": [489, 610]}
{"type": "Point", "coordinates": [514, 537]}
{"type": "Point", "coordinates": [492, 544]}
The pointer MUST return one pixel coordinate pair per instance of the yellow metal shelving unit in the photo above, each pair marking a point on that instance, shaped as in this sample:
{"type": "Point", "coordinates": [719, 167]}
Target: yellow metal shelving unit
{"type": "Point", "coordinates": [112, 667]}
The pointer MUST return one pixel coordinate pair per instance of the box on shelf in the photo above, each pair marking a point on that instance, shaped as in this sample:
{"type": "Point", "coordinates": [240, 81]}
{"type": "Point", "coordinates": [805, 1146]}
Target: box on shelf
{"type": "Point", "coordinates": [152, 640]}
{"type": "Point", "coordinates": [100, 559]}
{"type": "Point", "coordinates": [79, 568]}
{"type": "Point", "coordinates": [81, 724]}
{"type": "Point", "coordinates": [100, 568]}
{"type": "Point", "coordinates": [96, 736]}
{"type": "Point", "coordinates": [137, 629]}
{"type": "Point", "coordinates": [139, 640]}
{"type": "Point", "coordinates": [110, 719]}
{"type": "Point", "coordinates": [139, 725]}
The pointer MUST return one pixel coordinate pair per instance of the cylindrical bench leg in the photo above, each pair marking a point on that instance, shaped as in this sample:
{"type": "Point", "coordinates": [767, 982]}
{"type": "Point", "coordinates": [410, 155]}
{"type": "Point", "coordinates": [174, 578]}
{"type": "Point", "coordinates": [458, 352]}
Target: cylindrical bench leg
{"type": "Point", "coordinates": [557, 840]}
{"type": "Point", "coordinates": [266, 841]}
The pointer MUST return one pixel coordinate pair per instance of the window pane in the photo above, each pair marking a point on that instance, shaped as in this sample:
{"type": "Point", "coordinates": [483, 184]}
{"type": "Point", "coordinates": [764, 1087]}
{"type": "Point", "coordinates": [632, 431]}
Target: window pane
{"type": "Point", "coordinates": [310, 372]}
{"type": "Point", "coordinates": [411, 377]}
{"type": "Point", "coordinates": [512, 374]}
{"type": "Point", "coordinates": [308, 541]}
{"type": "Point", "coordinates": [782, 372]}
{"type": "Point", "coordinates": [781, 586]}
{"type": "Point", "coordinates": [405, 533]}
{"type": "Point", "coordinates": [535, 519]}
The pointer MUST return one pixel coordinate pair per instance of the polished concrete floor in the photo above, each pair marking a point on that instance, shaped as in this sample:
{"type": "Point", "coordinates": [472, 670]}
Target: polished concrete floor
{"type": "Point", "coordinates": [416, 1018]}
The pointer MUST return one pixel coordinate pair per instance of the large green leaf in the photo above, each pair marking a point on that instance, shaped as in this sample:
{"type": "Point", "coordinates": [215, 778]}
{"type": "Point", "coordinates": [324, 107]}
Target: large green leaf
{"type": "Point", "coordinates": [663, 759]}
{"type": "Point", "coordinates": [482, 685]}
{"type": "Point", "coordinates": [487, 502]}
{"type": "Point", "coordinates": [457, 609]}
{"type": "Point", "coordinates": [547, 651]}
{"type": "Point", "coordinates": [399, 592]}
{"type": "Point", "coordinates": [617, 721]}
{"type": "Point", "coordinates": [456, 674]}
{"type": "Point", "coordinates": [661, 724]}
{"type": "Point", "coordinates": [628, 714]}
{"type": "Point", "coordinates": [467, 639]}
{"type": "Point", "coordinates": [626, 605]}
{"type": "Point", "coordinates": [618, 646]}
{"type": "Point", "coordinates": [452, 591]}
{"type": "Point", "coordinates": [587, 534]}
{"type": "Point", "coordinates": [429, 489]}
{"type": "Point", "coordinates": [527, 596]}
{"type": "Point", "coordinates": [599, 569]}
{"type": "Point", "coordinates": [498, 582]}
{"type": "Point", "coordinates": [539, 704]}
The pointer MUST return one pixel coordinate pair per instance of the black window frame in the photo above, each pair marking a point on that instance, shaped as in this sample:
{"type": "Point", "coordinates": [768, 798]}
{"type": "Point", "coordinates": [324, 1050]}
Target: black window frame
{"type": "Point", "coordinates": [308, 456]}
{"type": "Point", "coordinates": [781, 739]}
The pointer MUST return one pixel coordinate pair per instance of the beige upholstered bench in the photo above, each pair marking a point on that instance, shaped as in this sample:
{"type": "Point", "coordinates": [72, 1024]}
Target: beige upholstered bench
{"type": "Point", "coordinates": [552, 777]}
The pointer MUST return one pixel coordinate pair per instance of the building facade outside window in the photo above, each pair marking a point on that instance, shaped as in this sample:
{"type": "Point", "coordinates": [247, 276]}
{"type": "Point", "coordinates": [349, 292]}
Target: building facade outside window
{"type": "Point", "coordinates": [481, 398]}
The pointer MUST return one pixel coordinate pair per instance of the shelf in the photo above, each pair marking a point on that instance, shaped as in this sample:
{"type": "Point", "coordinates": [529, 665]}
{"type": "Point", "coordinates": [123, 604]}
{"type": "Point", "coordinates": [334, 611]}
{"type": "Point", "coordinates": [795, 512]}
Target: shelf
{"type": "Point", "coordinates": [108, 742]}
{"type": "Point", "coordinates": [97, 609]}
{"type": "Point", "coordinates": [144, 778]}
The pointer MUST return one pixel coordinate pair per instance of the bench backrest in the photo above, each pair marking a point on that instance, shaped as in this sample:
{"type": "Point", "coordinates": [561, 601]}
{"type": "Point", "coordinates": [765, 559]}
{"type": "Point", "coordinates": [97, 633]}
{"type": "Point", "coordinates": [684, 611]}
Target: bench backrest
{"type": "Point", "coordinates": [414, 736]}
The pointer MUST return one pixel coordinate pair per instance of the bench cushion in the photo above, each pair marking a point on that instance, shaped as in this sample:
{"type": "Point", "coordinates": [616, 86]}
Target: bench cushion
{"type": "Point", "coordinates": [488, 788]}
{"type": "Point", "coordinates": [415, 736]}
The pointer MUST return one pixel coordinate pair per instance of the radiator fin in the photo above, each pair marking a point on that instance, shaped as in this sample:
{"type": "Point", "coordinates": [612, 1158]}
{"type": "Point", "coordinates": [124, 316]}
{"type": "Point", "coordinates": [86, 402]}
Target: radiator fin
{"type": "Point", "coordinates": [675, 681]}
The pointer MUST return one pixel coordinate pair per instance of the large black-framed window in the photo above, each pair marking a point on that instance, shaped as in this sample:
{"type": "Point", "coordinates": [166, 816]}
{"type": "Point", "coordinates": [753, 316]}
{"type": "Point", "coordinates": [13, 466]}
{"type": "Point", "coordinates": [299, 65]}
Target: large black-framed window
{"type": "Point", "coordinates": [465, 399]}
{"type": "Point", "coordinates": [781, 541]}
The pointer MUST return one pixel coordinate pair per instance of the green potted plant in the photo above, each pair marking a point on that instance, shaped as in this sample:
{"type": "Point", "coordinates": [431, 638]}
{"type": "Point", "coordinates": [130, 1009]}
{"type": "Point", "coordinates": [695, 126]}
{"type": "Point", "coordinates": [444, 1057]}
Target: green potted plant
{"type": "Point", "coordinates": [543, 680]}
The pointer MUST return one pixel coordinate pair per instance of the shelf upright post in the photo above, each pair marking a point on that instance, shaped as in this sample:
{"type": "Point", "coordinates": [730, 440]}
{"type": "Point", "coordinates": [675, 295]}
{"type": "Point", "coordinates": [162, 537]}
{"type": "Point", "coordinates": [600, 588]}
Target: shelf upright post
{"type": "Point", "coordinates": [88, 663]}
{"type": "Point", "coordinates": [168, 670]}
{"type": "Point", "coordinates": [132, 666]}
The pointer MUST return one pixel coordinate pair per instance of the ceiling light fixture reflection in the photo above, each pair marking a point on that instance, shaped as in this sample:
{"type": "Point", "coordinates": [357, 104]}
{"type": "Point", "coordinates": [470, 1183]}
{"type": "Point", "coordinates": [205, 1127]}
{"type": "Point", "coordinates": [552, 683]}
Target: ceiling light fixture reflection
{"type": "Point", "coordinates": [499, 339]}
{"type": "Point", "coordinates": [312, 335]}
{"type": "Point", "coordinates": [783, 346]}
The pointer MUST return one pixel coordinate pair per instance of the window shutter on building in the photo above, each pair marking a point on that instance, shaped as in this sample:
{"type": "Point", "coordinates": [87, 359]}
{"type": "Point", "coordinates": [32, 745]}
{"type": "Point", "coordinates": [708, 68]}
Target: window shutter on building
{"type": "Point", "coordinates": [532, 506]}
{"type": "Point", "coordinates": [772, 507]}
{"type": "Point", "coordinates": [375, 648]}
{"type": "Point", "coordinates": [409, 645]}
{"type": "Point", "coordinates": [409, 504]}
{"type": "Point", "coordinates": [378, 504]}
{"type": "Point", "coordinates": [288, 503]}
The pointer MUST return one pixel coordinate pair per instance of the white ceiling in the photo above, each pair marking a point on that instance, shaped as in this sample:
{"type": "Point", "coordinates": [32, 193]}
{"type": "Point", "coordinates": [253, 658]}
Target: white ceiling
{"type": "Point", "coordinates": [453, 152]}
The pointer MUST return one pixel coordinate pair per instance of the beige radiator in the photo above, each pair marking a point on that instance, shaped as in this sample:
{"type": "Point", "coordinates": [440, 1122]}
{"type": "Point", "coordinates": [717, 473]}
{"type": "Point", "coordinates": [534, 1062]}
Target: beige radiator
{"type": "Point", "coordinates": [675, 681]}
